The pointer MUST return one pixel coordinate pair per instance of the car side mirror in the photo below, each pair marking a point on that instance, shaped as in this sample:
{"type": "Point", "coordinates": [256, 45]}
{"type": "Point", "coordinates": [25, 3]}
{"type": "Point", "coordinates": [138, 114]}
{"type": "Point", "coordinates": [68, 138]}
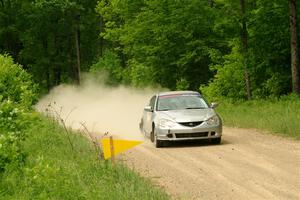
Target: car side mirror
{"type": "Point", "coordinates": [148, 108]}
{"type": "Point", "coordinates": [214, 105]}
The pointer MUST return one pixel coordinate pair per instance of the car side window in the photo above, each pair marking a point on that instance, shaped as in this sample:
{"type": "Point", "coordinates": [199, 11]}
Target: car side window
{"type": "Point", "coordinates": [152, 102]}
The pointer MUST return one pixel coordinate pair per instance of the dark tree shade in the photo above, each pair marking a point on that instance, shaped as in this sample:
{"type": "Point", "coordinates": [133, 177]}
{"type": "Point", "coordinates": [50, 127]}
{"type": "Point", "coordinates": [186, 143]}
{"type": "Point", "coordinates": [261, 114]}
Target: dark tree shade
{"type": "Point", "coordinates": [238, 49]}
{"type": "Point", "coordinates": [294, 47]}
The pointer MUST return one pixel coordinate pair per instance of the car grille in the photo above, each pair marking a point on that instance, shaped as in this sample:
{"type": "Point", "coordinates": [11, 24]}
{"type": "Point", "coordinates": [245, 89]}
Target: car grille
{"type": "Point", "coordinates": [189, 135]}
{"type": "Point", "coordinates": [191, 124]}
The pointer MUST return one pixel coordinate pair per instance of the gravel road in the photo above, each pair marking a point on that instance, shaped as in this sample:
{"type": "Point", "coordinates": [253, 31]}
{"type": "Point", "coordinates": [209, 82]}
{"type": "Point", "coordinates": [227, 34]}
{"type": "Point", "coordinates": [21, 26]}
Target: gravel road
{"type": "Point", "coordinates": [247, 165]}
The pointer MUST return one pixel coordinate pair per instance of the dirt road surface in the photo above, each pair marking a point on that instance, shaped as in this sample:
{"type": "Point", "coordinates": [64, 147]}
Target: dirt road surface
{"type": "Point", "coordinates": [247, 165]}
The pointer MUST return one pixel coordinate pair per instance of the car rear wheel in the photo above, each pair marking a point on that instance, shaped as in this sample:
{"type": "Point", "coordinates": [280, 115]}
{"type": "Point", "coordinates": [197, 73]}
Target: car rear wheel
{"type": "Point", "coordinates": [141, 125]}
{"type": "Point", "coordinates": [152, 136]}
{"type": "Point", "coordinates": [216, 140]}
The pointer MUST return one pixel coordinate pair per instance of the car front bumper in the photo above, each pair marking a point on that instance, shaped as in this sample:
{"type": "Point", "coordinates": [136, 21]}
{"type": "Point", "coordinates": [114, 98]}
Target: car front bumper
{"type": "Point", "coordinates": [178, 133]}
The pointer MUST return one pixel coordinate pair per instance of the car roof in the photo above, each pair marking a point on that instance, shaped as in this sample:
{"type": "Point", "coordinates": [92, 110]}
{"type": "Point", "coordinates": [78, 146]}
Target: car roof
{"type": "Point", "coordinates": [177, 92]}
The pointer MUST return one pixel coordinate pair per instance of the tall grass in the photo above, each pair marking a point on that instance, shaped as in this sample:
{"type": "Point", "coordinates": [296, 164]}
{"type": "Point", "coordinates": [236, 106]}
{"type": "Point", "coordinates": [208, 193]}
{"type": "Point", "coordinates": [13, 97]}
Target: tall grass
{"type": "Point", "coordinates": [55, 170]}
{"type": "Point", "coordinates": [280, 116]}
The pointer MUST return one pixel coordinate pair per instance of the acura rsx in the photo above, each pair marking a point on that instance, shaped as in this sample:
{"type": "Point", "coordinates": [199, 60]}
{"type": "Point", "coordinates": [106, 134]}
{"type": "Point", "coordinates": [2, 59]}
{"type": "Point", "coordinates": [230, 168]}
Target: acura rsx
{"type": "Point", "coordinates": [180, 115]}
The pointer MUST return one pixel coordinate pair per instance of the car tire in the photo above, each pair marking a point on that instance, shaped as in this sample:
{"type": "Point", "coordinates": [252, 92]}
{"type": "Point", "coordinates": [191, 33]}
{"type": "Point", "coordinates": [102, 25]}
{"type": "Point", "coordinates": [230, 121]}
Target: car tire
{"type": "Point", "coordinates": [157, 143]}
{"type": "Point", "coordinates": [216, 140]}
{"type": "Point", "coordinates": [141, 125]}
{"type": "Point", "coordinates": [152, 136]}
{"type": "Point", "coordinates": [142, 131]}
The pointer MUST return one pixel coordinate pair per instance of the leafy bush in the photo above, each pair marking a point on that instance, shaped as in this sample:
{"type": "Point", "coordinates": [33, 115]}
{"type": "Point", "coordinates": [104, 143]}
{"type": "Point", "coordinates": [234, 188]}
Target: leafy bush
{"type": "Point", "coordinates": [266, 80]}
{"type": "Point", "coordinates": [229, 80]}
{"type": "Point", "coordinates": [139, 74]}
{"type": "Point", "coordinates": [17, 94]}
{"type": "Point", "coordinates": [182, 84]}
{"type": "Point", "coordinates": [15, 84]}
{"type": "Point", "coordinates": [109, 70]}
{"type": "Point", "coordinates": [110, 63]}
{"type": "Point", "coordinates": [276, 85]}
{"type": "Point", "coordinates": [11, 136]}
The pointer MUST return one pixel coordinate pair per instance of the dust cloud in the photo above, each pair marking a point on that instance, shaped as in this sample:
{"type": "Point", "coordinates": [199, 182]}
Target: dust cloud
{"type": "Point", "coordinates": [116, 110]}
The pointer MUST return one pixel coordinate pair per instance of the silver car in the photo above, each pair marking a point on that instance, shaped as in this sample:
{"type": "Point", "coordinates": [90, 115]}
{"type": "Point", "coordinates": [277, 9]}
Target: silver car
{"type": "Point", "coordinates": [180, 115]}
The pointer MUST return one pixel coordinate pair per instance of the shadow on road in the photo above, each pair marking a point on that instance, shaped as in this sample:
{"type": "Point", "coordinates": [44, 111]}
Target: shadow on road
{"type": "Point", "coordinates": [194, 143]}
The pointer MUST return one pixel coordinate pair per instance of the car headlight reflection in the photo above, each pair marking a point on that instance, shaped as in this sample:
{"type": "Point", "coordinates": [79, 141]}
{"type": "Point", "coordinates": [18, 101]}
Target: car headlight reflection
{"type": "Point", "coordinates": [214, 120]}
{"type": "Point", "coordinates": [165, 123]}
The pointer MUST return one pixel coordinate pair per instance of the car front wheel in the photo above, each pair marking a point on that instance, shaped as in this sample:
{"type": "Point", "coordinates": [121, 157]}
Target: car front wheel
{"type": "Point", "coordinates": [216, 140]}
{"type": "Point", "coordinates": [157, 143]}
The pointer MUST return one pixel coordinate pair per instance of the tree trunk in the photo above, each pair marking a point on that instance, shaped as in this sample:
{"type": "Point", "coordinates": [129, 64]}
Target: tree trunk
{"type": "Point", "coordinates": [101, 25]}
{"type": "Point", "coordinates": [294, 48]}
{"type": "Point", "coordinates": [57, 67]}
{"type": "Point", "coordinates": [211, 3]}
{"type": "Point", "coordinates": [77, 38]}
{"type": "Point", "coordinates": [77, 70]}
{"type": "Point", "coordinates": [244, 39]}
{"type": "Point", "coordinates": [2, 4]}
{"type": "Point", "coordinates": [46, 65]}
{"type": "Point", "coordinates": [48, 84]}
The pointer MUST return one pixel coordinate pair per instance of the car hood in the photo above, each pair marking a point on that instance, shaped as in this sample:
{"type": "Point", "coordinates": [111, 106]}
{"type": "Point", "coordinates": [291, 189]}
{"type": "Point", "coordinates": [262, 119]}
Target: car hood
{"type": "Point", "coordinates": [190, 115]}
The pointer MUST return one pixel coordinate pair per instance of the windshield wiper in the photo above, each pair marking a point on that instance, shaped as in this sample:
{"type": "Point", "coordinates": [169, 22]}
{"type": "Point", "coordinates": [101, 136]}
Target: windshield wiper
{"type": "Point", "coordinates": [194, 108]}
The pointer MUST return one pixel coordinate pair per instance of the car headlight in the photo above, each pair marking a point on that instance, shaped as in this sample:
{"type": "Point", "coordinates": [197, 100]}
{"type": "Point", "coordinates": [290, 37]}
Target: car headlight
{"type": "Point", "coordinates": [165, 123]}
{"type": "Point", "coordinates": [214, 120]}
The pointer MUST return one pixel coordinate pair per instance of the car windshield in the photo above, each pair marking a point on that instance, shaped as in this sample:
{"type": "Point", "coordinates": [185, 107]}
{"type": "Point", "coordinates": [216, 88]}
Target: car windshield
{"type": "Point", "coordinates": [180, 102]}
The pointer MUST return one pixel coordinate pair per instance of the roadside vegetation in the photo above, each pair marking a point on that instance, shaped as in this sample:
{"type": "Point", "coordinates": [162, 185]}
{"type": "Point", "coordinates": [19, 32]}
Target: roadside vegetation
{"type": "Point", "coordinates": [279, 116]}
{"type": "Point", "coordinates": [52, 169]}
{"type": "Point", "coordinates": [39, 159]}
{"type": "Point", "coordinates": [243, 54]}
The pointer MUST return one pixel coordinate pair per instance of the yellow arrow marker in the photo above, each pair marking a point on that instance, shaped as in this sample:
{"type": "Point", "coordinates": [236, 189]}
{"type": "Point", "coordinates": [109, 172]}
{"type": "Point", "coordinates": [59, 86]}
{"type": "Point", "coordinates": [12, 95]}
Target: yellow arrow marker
{"type": "Point", "coordinates": [117, 146]}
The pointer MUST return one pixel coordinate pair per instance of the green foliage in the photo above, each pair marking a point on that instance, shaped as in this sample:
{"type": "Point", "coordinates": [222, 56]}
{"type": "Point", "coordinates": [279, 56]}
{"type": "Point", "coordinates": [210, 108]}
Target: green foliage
{"type": "Point", "coordinates": [182, 84]}
{"type": "Point", "coordinates": [142, 43]}
{"type": "Point", "coordinates": [168, 39]}
{"type": "Point", "coordinates": [110, 63]}
{"type": "Point", "coordinates": [17, 94]}
{"type": "Point", "coordinates": [54, 170]}
{"type": "Point", "coordinates": [15, 84]}
{"type": "Point", "coordinates": [275, 86]}
{"type": "Point", "coordinates": [269, 44]}
{"type": "Point", "coordinates": [268, 51]}
{"type": "Point", "coordinates": [229, 80]}
{"type": "Point", "coordinates": [40, 34]}
{"type": "Point", "coordinates": [9, 30]}
{"type": "Point", "coordinates": [139, 74]}
{"type": "Point", "coordinates": [12, 125]}
{"type": "Point", "coordinates": [278, 116]}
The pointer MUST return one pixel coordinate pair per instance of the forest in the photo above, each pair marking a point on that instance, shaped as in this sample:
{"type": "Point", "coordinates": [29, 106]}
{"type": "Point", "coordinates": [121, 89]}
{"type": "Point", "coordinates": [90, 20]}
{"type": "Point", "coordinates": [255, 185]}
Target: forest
{"type": "Point", "coordinates": [245, 49]}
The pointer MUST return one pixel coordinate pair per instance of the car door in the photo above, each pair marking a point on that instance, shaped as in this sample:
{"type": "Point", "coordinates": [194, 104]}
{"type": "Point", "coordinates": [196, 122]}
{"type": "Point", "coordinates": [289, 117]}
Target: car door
{"type": "Point", "coordinates": [148, 116]}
